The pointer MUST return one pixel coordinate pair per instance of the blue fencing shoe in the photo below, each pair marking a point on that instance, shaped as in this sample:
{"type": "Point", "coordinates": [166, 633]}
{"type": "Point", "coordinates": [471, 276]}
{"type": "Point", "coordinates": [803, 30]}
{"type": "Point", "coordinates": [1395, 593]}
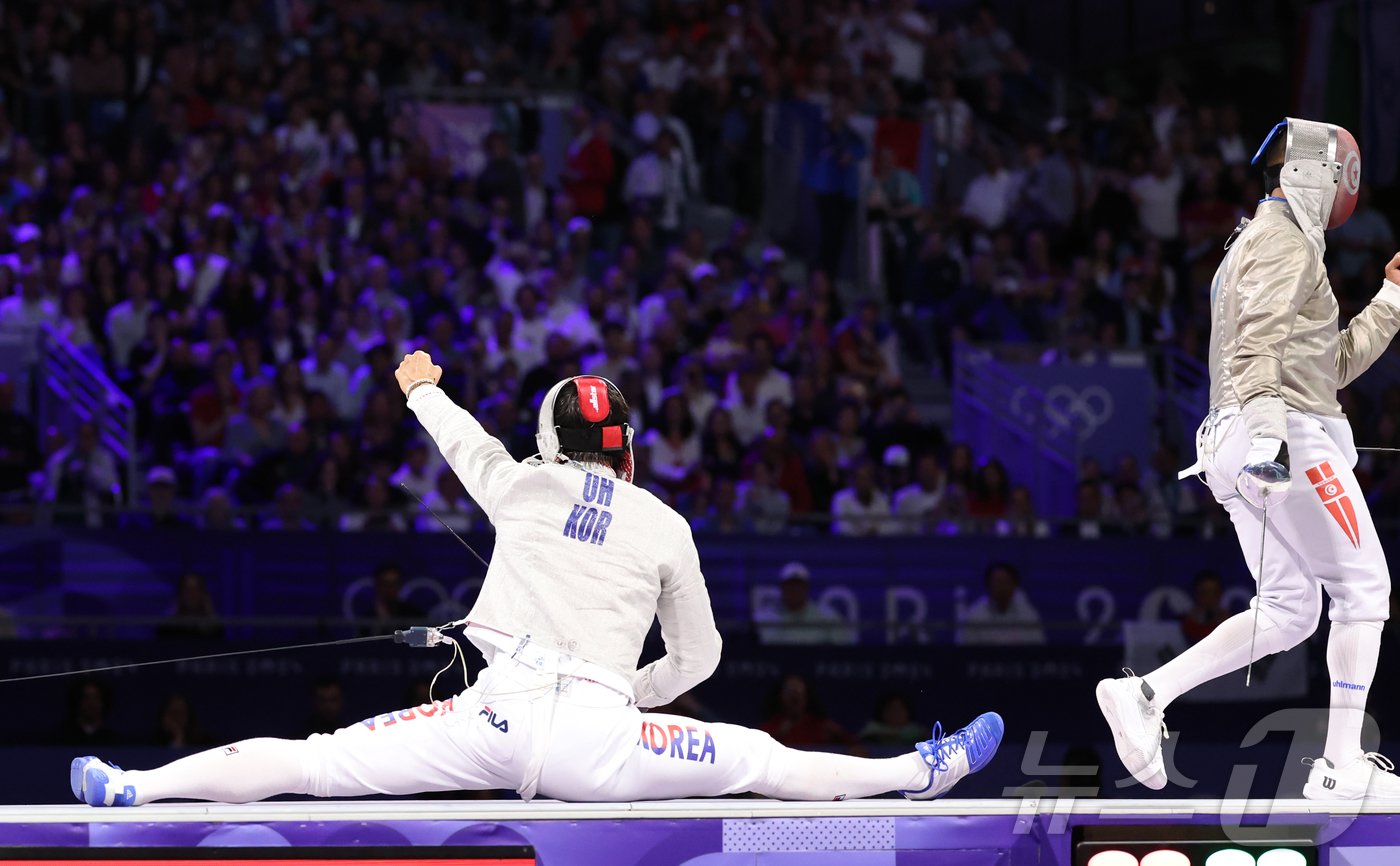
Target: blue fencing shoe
{"type": "Point", "coordinates": [952, 757]}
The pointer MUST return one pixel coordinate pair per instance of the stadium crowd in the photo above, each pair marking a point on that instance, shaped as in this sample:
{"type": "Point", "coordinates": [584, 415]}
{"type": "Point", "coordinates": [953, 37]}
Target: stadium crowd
{"type": "Point", "coordinates": [229, 208]}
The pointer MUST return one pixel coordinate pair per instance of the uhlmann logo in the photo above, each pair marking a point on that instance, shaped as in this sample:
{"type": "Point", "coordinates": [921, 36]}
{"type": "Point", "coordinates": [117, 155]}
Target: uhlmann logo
{"type": "Point", "coordinates": [1338, 684]}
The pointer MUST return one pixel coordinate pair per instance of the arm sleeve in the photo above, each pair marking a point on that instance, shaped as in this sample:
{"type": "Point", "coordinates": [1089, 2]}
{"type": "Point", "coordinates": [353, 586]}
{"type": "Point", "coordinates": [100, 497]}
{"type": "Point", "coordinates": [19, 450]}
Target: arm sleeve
{"type": "Point", "coordinates": [486, 468]}
{"type": "Point", "coordinates": [1270, 291]}
{"type": "Point", "coordinates": [688, 630]}
{"type": "Point", "coordinates": [1368, 334]}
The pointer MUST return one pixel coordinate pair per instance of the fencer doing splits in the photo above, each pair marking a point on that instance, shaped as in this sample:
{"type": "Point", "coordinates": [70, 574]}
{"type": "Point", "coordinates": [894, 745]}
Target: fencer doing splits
{"type": "Point", "coordinates": [1276, 362]}
{"type": "Point", "coordinates": [584, 562]}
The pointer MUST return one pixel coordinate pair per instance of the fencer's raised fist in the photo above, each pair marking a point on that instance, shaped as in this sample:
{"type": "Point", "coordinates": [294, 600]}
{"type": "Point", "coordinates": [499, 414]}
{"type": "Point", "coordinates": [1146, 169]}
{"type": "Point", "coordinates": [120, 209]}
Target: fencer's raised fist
{"type": "Point", "coordinates": [415, 369]}
{"type": "Point", "coordinates": [1392, 270]}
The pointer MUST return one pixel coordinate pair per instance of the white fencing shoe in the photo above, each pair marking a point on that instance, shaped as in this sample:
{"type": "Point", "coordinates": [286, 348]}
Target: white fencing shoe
{"type": "Point", "coordinates": [1138, 728]}
{"type": "Point", "coordinates": [99, 783]}
{"type": "Point", "coordinates": [1368, 776]}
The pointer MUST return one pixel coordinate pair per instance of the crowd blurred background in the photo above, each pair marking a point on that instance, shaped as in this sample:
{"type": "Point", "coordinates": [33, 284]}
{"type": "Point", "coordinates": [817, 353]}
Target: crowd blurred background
{"type": "Point", "coordinates": [238, 216]}
{"type": "Point", "coordinates": [223, 205]}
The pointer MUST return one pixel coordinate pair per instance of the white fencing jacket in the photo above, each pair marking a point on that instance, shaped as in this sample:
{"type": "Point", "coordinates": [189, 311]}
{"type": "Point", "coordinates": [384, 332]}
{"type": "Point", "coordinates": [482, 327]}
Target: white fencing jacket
{"type": "Point", "coordinates": [584, 561]}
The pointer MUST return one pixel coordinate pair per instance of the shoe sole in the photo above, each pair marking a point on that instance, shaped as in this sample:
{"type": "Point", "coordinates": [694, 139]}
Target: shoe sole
{"type": "Point", "coordinates": [75, 776]}
{"type": "Point", "coordinates": [1107, 697]}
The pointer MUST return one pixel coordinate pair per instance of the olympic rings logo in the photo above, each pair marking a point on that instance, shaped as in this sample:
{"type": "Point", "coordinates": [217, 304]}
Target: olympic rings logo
{"type": "Point", "coordinates": [435, 597]}
{"type": "Point", "coordinates": [1068, 411]}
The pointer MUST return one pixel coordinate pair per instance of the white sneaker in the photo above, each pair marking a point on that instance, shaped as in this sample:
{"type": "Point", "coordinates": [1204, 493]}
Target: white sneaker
{"type": "Point", "coordinates": [1367, 776]}
{"type": "Point", "coordinates": [1138, 728]}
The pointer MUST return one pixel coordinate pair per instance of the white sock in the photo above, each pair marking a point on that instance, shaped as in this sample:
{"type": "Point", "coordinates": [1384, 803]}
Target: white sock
{"type": "Point", "coordinates": [1223, 650]}
{"type": "Point", "coordinates": [821, 776]}
{"type": "Point", "coordinates": [241, 773]}
{"type": "Point", "coordinates": [1352, 651]}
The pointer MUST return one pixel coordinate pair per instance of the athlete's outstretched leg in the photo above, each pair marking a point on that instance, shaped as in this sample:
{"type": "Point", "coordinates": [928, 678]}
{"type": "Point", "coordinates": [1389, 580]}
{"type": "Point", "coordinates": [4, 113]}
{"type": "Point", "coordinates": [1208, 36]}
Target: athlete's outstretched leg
{"type": "Point", "coordinates": [679, 757]}
{"type": "Point", "coordinates": [240, 773]}
{"type": "Point", "coordinates": [426, 748]}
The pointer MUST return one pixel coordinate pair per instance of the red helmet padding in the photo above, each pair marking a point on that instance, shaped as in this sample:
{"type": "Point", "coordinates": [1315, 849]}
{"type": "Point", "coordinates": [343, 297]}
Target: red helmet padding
{"type": "Point", "coordinates": [1349, 184]}
{"type": "Point", "coordinates": [612, 438]}
{"type": "Point", "coordinates": [593, 399]}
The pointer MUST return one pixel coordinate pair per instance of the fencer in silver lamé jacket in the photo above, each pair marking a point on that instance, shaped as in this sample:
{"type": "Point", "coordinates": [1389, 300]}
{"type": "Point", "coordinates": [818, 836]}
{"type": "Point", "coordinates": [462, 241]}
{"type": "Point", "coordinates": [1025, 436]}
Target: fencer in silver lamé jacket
{"type": "Point", "coordinates": [1274, 342]}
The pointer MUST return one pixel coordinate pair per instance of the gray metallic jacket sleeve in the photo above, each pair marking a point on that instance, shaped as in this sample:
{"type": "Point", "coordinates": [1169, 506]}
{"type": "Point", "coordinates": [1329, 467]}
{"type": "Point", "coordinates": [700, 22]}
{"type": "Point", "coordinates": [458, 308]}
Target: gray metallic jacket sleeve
{"type": "Point", "coordinates": [1368, 334]}
{"type": "Point", "coordinates": [1272, 288]}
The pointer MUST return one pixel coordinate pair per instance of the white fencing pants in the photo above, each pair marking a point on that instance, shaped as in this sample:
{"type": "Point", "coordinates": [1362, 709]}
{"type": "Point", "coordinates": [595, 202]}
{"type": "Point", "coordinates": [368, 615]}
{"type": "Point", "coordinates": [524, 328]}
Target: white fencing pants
{"type": "Point", "coordinates": [585, 742]}
{"type": "Point", "coordinates": [1320, 537]}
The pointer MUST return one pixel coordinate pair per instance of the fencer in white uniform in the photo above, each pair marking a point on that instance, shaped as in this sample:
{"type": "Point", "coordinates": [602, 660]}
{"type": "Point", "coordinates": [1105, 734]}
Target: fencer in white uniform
{"type": "Point", "coordinates": [584, 563]}
{"type": "Point", "coordinates": [1277, 453]}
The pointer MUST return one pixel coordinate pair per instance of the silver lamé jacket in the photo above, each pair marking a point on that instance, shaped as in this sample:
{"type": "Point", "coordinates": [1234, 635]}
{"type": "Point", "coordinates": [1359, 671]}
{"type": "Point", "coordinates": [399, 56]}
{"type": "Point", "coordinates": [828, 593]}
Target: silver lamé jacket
{"type": "Point", "coordinates": [1274, 342]}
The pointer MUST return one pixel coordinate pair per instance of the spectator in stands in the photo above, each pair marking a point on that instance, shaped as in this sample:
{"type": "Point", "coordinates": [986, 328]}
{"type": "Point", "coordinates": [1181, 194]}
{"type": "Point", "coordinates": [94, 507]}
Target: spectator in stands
{"type": "Point", "coordinates": [1157, 195]}
{"type": "Point", "coordinates": [721, 450]}
{"type": "Point", "coordinates": [322, 372]}
{"type": "Point", "coordinates": [988, 199]}
{"type": "Point", "coordinates": [1021, 519]}
{"type": "Point", "coordinates": [765, 507]}
{"type": "Point", "coordinates": [770, 382]}
{"type": "Point", "coordinates": [217, 511]}
{"type": "Point", "coordinates": [796, 619]}
{"type": "Point", "coordinates": [656, 185]}
{"type": "Point", "coordinates": [673, 446]}
{"type": "Point", "coordinates": [378, 512]}
{"type": "Point", "coordinates": [1208, 607]}
{"type": "Point", "coordinates": [81, 480]}
{"type": "Point", "coordinates": [984, 48]}
{"type": "Point", "coordinates": [830, 171]}
{"type": "Point", "coordinates": [177, 727]}
{"type": "Point", "coordinates": [991, 491]}
{"type": "Point", "coordinates": [19, 442]}
{"type": "Point", "coordinates": [289, 513]}
{"type": "Point", "coordinates": [256, 432]}
{"type": "Point", "coordinates": [25, 314]}
{"type": "Point", "coordinates": [86, 724]}
{"type": "Point", "coordinates": [722, 516]}
{"type": "Point", "coordinates": [327, 708]}
{"type": "Point", "coordinates": [746, 411]}
{"type": "Point", "coordinates": [386, 609]}
{"type": "Point", "coordinates": [419, 472]}
{"type": "Point", "coordinates": [893, 722]}
{"type": "Point", "coordinates": [589, 166]}
{"type": "Point", "coordinates": [160, 511]}
{"type": "Point", "coordinates": [193, 616]}
{"type": "Point", "coordinates": [797, 720]}
{"type": "Point", "coordinates": [450, 503]}
{"type": "Point", "coordinates": [1003, 615]}
{"type": "Point", "coordinates": [861, 509]}
{"type": "Point", "coordinates": [920, 504]}
{"type": "Point", "coordinates": [1089, 512]}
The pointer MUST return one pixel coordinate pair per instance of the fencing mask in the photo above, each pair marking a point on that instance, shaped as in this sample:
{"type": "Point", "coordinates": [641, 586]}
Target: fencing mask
{"type": "Point", "coordinates": [584, 415]}
{"type": "Point", "coordinates": [1319, 171]}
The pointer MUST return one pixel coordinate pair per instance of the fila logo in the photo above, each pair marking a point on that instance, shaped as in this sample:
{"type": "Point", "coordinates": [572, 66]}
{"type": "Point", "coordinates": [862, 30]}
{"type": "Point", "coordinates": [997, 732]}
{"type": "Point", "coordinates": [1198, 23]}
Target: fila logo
{"type": "Point", "coordinates": [501, 725]}
{"type": "Point", "coordinates": [1329, 783]}
{"type": "Point", "coordinates": [230, 750]}
{"type": "Point", "coordinates": [1335, 499]}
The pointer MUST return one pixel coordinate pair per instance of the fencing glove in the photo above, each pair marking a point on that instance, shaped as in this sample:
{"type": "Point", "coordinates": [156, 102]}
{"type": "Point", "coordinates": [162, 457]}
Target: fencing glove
{"type": "Point", "coordinates": [1265, 478]}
